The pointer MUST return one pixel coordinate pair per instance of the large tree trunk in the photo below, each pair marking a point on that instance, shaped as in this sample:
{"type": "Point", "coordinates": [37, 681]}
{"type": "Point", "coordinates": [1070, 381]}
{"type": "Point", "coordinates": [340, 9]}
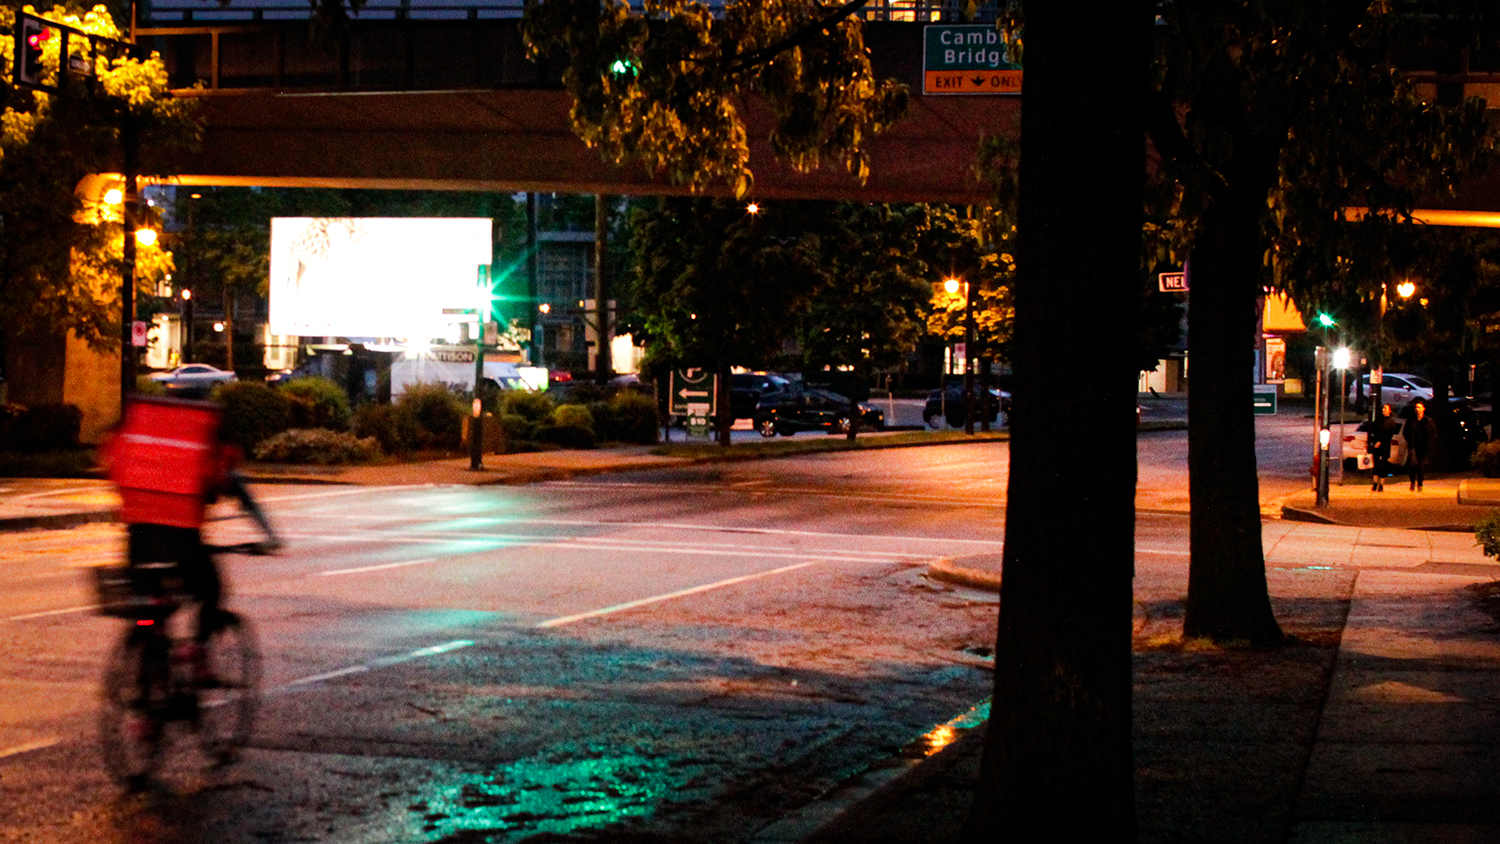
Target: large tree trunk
{"type": "Point", "coordinates": [1057, 759]}
{"type": "Point", "coordinates": [1227, 598]}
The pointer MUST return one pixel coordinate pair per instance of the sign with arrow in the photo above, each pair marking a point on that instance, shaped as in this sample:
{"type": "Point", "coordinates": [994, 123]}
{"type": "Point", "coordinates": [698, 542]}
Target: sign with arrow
{"type": "Point", "coordinates": [693, 392]}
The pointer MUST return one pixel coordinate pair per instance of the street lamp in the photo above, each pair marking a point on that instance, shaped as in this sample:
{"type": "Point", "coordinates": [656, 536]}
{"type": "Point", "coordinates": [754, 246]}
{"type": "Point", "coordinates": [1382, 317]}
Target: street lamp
{"type": "Point", "coordinates": [951, 285]}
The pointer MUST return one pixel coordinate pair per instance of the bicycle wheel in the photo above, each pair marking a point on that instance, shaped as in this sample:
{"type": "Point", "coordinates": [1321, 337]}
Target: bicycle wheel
{"type": "Point", "coordinates": [136, 680]}
{"type": "Point", "coordinates": [228, 698]}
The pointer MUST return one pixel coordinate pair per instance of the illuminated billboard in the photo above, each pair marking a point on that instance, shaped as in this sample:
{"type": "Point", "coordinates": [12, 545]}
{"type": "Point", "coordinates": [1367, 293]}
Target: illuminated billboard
{"type": "Point", "coordinates": [374, 276]}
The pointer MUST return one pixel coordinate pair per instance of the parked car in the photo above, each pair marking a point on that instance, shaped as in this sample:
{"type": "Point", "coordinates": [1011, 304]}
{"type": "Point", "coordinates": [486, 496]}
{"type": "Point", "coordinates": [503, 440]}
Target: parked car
{"type": "Point", "coordinates": [193, 377]}
{"type": "Point", "coordinates": [746, 389]}
{"type": "Point", "coordinates": [814, 409]}
{"type": "Point", "coordinates": [992, 402]}
{"type": "Point", "coordinates": [1397, 389]}
{"type": "Point", "coordinates": [1461, 428]}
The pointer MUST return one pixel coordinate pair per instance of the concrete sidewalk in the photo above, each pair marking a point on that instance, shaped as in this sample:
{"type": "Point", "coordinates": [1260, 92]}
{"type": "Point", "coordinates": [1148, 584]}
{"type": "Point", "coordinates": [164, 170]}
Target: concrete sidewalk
{"type": "Point", "coordinates": [1377, 724]}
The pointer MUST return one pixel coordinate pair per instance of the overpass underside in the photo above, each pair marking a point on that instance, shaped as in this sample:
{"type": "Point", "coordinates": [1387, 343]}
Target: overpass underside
{"type": "Point", "coordinates": [372, 113]}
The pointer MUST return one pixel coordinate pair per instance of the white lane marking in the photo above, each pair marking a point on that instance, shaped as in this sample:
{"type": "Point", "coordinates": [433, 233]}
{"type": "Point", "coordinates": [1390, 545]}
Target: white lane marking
{"type": "Point", "coordinates": [27, 747]}
{"type": "Point", "coordinates": [329, 675]}
{"type": "Point", "coordinates": [46, 613]}
{"type": "Point", "coordinates": [381, 567]}
{"type": "Point", "coordinates": [569, 619]}
{"type": "Point", "coordinates": [382, 662]}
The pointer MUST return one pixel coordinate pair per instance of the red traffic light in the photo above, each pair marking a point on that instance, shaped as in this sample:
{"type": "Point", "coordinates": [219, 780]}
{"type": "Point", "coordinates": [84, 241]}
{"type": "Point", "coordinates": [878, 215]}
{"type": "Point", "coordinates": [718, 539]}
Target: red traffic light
{"type": "Point", "coordinates": [39, 38]}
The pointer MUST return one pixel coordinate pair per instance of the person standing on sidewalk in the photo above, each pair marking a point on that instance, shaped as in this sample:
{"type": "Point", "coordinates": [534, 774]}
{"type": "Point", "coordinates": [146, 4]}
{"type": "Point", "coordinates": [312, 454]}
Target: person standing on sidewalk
{"type": "Point", "coordinates": [1421, 437]}
{"type": "Point", "coordinates": [1382, 431]}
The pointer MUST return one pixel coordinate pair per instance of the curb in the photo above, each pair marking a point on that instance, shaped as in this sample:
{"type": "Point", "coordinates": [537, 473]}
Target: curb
{"type": "Point", "coordinates": [944, 569]}
{"type": "Point", "coordinates": [1295, 514]}
{"type": "Point", "coordinates": [56, 521]}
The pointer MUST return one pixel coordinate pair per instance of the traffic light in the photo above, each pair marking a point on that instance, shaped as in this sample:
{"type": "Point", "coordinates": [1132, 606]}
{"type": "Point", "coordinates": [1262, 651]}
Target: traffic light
{"type": "Point", "coordinates": [31, 38]}
{"type": "Point", "coordinates": [1326, 320]}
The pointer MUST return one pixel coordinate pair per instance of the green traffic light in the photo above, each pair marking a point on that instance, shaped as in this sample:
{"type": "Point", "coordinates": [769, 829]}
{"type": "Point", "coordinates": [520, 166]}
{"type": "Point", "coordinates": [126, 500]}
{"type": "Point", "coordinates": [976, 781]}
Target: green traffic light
{"type": "Point", "coordinates": [1326, 320]}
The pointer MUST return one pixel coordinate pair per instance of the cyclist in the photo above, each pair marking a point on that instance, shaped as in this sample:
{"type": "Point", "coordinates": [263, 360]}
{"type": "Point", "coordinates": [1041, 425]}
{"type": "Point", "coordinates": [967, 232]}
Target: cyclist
{"type": "Point", "coordinates": [168, 463]}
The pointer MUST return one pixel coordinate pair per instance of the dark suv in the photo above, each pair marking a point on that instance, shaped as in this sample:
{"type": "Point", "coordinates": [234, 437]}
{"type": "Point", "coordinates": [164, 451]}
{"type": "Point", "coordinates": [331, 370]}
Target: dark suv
{"type": "Point", "coordinates": [989, 403]}
{"type": "Point", "coordinates": [746, 389]}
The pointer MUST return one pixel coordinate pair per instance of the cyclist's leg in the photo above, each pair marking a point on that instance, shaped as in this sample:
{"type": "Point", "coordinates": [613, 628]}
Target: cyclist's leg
{"type": "Point", "coordinates": [201, 574]}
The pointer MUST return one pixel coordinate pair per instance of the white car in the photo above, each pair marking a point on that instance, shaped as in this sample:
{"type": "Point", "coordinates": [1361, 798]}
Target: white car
{"type": "Point", "coordinates": [193, 376]}
{"type": "Point", "coordinates": [1357, 443]}
{"type": "Point", "coordinates": [1397, 389]}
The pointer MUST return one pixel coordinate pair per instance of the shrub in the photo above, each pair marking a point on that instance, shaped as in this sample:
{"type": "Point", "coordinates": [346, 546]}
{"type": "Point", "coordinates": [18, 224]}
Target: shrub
{"type": "Point", "coordinates": [253, 412]}
{"type": "Point", "coordinates": [574, 416]}
{"type": "Point", "coordinates": [535, 406]}
{"type": "Point", "coordinates": [1487, 534]}
{"type": "Point", "coordinates": [317, 445]}
{"type": "Point", "coordinates": [145, 385]}
{"type": "Point", "coordinates": [634, 418]}
{"type": "Point", "coordinates": [517, 427]}
{"type": "Point", "coordinates": [433, 414]}
{"type": "Point", "coordinates": [567, 436]}
{"type": "Point", "coordinates": [605, 426]}
{"type": "Point", "coordinates": [1486, 459]}
{"type": "Point", "coordinates": [317, 402]}
{"type": "Point", "coordinates": [395, 434]}
{"type": "Point", "coordinates": [43, 427]}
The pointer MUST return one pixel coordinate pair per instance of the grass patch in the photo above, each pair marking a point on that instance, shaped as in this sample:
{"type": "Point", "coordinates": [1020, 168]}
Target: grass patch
{"type": "Point", "coordinates": [814, 442]}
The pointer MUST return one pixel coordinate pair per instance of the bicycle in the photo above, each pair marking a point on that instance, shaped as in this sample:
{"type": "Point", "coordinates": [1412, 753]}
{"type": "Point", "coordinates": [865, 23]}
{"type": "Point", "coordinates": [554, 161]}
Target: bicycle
{"type": "Point", "coordinates": [152, 681]}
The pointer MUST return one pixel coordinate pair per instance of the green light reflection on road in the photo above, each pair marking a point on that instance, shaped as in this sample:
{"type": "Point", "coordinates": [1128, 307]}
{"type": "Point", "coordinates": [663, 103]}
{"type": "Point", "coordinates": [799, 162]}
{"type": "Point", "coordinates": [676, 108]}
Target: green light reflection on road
{"type": "Point", "coordinates": [559, 792]}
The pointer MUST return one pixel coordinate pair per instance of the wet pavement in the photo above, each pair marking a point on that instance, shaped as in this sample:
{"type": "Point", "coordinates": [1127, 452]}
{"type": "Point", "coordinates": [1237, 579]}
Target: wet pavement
{"type": "Point", "coordinates": [1378, 724]}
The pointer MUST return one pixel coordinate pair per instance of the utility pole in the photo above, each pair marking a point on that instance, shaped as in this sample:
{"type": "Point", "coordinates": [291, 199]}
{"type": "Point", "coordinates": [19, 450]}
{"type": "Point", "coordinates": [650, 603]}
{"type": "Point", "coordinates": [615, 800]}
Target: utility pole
{"type": "Point", "coordinates": [603, 366]}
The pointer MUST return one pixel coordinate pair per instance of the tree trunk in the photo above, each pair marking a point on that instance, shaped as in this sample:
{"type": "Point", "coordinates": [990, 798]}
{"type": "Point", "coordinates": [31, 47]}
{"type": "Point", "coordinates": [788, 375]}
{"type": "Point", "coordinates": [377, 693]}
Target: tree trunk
{"type": "Point", "coordinates": [1227, 598]}
{"type": "Point", "coordinates": [1057, 759]}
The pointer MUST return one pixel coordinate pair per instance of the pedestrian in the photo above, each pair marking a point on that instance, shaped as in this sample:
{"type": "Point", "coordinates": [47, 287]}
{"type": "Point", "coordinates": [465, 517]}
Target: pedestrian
{"type": "Point", "coordinates": [1382, 431]}
{"type": "Point", "coordinates": [1421, 439]}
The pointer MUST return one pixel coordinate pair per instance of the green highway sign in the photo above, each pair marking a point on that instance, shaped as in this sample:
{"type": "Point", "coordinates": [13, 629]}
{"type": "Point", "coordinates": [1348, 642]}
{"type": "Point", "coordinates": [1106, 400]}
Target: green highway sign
{"type": "Point", "coordinates": [967, 59]}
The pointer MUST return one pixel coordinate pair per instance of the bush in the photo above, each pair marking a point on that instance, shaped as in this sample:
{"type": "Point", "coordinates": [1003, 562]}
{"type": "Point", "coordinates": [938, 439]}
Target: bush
{"type": "Point", "coordinates": [1486, 459]}
{"type": "Point", "coordinates": [395, 434]}
{"type": "Point", "coordinates": [1487, 534]}
{"type": "Point", "coordinates": [573, 416]}
{"type": "Point", "coordinates": [517, 427]}
{"type": "Point", "coordinates": [317, 402]}
{"type": "Point", "coordinates": [567, 436]}
{"type": "Point", "coordinates": [535, 406]}
{"type": "Point", "coordinates": [145, 385]}
{"type": "Point", "coordinates": [634, 418]}
{"type": "Point", "coordinates": [253, 412]}
{"type": "Point", "coordinates": [317, 445]}
{"type": "Point", "coordinates": [433, 414]}
{"type": "Point", "coordinates": [39, 428]}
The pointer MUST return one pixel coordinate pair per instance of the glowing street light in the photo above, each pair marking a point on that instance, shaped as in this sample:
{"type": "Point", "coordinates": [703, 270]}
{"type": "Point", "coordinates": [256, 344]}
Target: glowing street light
{"type": "Point", "coordinates": [145, 237]}
{"type": "Point", "coordinates": [1405, 289]}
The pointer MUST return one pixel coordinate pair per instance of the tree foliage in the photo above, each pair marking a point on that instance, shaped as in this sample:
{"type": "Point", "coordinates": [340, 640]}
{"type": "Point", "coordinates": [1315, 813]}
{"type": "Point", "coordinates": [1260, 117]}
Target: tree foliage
{"type": "Point", "coordinates": [61, 258]}
{"type": "Point", "coordinates": [666, 87]}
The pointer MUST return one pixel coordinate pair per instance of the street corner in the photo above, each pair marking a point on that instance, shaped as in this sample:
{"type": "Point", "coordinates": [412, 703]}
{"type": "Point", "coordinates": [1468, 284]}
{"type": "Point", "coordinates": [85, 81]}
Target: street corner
{"type": "Point", "coordinates": [976, 571]}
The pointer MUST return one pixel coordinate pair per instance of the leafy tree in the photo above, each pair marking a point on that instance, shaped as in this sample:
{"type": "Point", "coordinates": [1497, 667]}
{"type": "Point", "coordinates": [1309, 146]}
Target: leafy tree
{"type": "Point", "coordinates": [866, 314]}
{"type": "Point", "coordinates": [719, 286]}
{"type": "Point", "coordinates": [666, 88]}
{"type": "Point", "coordinates": [1273, 117]}
{"type": "Point", "coordinates": [60, 260]}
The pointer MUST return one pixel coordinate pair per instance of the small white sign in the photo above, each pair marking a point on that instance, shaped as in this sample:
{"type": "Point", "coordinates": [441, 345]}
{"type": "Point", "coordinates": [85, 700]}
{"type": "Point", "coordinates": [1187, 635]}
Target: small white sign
{"type": "Point", "coordinates": [138, 333]}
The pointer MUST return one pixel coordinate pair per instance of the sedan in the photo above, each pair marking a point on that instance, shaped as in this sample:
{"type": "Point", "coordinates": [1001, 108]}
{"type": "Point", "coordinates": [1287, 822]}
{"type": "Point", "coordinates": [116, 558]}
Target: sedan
{"type": "Point", "coordinates": [811, 410]}
{"type": "Point", "coordinates": [193, 377]}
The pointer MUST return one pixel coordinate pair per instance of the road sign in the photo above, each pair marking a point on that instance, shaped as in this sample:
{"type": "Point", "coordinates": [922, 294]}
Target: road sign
{"type": "Point", "coordinates": [693, 392]}
{"type": "Point", "coordinates": [1172, 282]}
{"type": "Point", "coordinates": [138, 333]}
{"type": "Point", "coordinates": [967, 59]}
{"type": "Point", "coordinates": [1265, 400]}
